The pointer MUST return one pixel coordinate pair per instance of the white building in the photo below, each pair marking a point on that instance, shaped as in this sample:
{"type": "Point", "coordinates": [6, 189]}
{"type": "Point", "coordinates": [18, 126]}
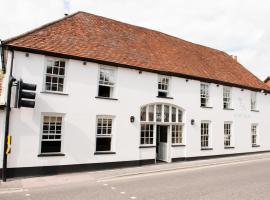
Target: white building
{"type": "Point", "coordinates": [111, 94]}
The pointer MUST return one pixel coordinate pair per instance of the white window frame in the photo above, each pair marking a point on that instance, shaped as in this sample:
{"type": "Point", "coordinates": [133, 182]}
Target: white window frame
{"type": "Point", "coordinates": [111, 84]}
{"type": "Point", "coordinates": [254, 133]}
{"type": "Point", "coordinates": [205, 94]}
{"type": "Point", "coordinates": [253, 101]}
{"type": "Point", "coordinates": [107, 117]}
{"type": "Point", "coordinates": [204, 135]}
{"type": "Point", "coordinates": [177, 135]}
{"type": "Point", "coordinates": [53, 59]}
{"type": "Point", "coordinates": [162, 84]}
{"type": "Point", "coordinates": [227, 97]}
{"type": "Point", "coordinates": [228, 134]}
{"type": "Point", "coordinates": [149, 134]}
{"type": "Point", "coordinates": [62, 115]}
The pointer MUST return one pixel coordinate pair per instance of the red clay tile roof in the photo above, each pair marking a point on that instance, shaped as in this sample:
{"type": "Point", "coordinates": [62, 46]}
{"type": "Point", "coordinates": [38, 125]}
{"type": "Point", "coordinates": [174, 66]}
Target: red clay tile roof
{"type": "Point", "coordinates": [88, 36]}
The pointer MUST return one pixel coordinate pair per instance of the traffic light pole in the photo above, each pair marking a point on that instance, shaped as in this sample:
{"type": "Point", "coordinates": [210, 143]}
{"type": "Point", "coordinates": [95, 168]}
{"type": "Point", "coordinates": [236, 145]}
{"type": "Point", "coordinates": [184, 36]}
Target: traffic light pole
{"type": "Point", "coordinates": [8, 109]}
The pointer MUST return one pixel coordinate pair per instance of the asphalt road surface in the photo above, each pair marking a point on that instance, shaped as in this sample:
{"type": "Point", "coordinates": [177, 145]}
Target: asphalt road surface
{"type": "Point", "coordinates": [237, 181]}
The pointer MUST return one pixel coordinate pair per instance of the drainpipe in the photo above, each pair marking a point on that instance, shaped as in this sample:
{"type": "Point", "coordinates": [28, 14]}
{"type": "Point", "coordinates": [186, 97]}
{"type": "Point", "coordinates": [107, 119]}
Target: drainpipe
{"type": "Point", "coordinates": [11, 79]}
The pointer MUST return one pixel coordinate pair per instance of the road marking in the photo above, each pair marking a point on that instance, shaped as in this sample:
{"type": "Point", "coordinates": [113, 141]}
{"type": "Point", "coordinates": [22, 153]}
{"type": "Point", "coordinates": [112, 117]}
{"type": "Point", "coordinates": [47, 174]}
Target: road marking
{"type": "Point", "coordinates": [27, 195]}
{"type": "Point", "coordinates": [113, 188]}
{"type": "Point", "coordinates": [105, 184]}
{"type": "Point", "coordinates": [133, 197]}
{"type": "Point", "coordinates": [122, 192]}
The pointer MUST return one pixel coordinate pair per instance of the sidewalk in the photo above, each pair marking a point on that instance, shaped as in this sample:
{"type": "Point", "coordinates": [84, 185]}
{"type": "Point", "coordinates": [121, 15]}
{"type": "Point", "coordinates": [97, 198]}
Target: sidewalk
{"type": "Point", "coordinates": [106, 175]}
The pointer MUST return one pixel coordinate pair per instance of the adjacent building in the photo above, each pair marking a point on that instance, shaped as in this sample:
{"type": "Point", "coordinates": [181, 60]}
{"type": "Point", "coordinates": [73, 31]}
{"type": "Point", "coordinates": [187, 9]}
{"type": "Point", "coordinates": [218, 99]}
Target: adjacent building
{"type": "Point", "coordinates": [110, 94]}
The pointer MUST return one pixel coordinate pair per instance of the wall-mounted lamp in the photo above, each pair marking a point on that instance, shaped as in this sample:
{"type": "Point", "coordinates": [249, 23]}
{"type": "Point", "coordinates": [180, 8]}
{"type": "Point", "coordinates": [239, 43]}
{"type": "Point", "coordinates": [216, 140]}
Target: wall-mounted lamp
{"type": "Point", "coordinates": [84, 62]}
{"type": "Point", "coordinates": [242, 89]}
{"type": "Point", "coordinates": [217, 85]}
{"type": "Point", "coordinates": [132, 119]}
{"type": "Point", "coordinates": [187, 80]}
{"type": "Point", "coordinates": [26, 54]}
{"type": "Point", "coordinates": [192, 122]}
{"type": "Point", "coordinates": [140, 71]}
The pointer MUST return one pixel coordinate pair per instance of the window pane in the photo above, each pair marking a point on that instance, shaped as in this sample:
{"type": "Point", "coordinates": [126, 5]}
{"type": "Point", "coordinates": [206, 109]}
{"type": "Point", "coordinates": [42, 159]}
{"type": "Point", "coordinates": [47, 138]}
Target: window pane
{"type": "Point", "coordinates": [104, 91]}
{"type": "Point", "coordinates": [103, 144]}
{"type": "Point", "coordinates": [166, 113]}
{"type": "Point", "coordinates": [158, 113]}
{"type": "Point", "coordinates": [143, 113]}
{"type": "Point", "coordinates": [173, 114]}
{"type": "Point", "coordinates": [151, 113]}
{"type": "Point", "coordinates": [50, 146]}
{"type": "Point", "coordinates": [180, 115]}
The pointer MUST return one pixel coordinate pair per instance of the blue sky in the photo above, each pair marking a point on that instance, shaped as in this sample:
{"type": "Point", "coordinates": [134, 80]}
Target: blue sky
{"type": "Point", "coordinates": [238, 27]}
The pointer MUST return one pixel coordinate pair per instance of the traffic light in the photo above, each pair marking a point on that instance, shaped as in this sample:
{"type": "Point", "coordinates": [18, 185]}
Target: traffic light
{"type": "Point", "coordinates": [25, 95]}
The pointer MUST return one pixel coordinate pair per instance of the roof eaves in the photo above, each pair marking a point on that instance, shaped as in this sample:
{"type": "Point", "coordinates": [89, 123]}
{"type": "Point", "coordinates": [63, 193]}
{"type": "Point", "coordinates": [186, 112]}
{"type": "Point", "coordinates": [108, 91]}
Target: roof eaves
{"type": "Point", "coordinates": [187, 76]}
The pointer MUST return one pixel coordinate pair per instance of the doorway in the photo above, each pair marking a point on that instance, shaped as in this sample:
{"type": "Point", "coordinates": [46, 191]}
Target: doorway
{"type": "Point", "coordinates": [162, 143]}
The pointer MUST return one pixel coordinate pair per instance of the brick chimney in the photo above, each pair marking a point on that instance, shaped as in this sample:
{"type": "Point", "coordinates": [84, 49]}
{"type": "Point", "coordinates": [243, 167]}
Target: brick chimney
{"type": "Point", "coordinates": [267, 81]}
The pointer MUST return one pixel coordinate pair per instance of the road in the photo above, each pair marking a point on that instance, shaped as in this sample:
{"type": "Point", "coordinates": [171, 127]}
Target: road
{"type": "Point", "coordinates": [245, 180]}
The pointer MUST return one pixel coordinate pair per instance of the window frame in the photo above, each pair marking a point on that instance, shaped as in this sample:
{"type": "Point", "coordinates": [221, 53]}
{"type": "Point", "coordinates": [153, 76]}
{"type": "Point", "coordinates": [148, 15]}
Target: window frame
{"type": "Point", "coordinates": [209, 139]}
{"type": "Point", "coordinates": [167, 92]}
{"type": "Point", "coordinates": [65, 77]}
{"type": "Point", "coordinates": [153, 136]}
{"type": "Point", "coordinates": [207, 95]}
{"type": "Point", "coordinates": [181, 136]}
{"type": "Point", "coordinates": [227, 94]}
{"type": "Point", "coordinates": [256, 134]}
{"type": "Point", "coordinates": [113, 86]}
{"type": "Point", "coordinates": [230, 134]}
{"type": "Point", "coordinates": [111, 136]}
{"type": "Point", "coordinates": [49, 114]}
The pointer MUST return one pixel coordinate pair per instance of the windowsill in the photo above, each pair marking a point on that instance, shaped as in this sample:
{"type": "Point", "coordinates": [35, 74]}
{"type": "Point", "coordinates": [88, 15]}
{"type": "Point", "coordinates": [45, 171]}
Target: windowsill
{"type": "Point", "coordinates": [206, 107]}
{"type": "Point", "coordinates": [256, 145]}
{"type": "Point", "coordinates": [164, 97]}
{"type": "Point", "coordinates": [254, 110]}
{"type": "Point", "coordinates": [108, 98]}
{"type": "Point", "coordinates": [104, 152]}
{"type": "Point", "coordinates": [228, 147]}
{"type": "Point", "coordinates": [178, 145]}
{"type": "Point", "coordinates": [54, 92]}
{"type": "Point", "coordinates": [144, 147]}
{"type": "Point", "coordinates": [50, 154]}
{"type": "Point", "coordinates": [228, 109]}
{"type": "Point", "coordinates": [207, 148]}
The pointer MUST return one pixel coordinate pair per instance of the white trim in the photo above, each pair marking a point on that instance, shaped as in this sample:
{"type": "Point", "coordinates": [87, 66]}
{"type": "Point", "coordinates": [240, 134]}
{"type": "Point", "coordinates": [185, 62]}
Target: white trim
{"type": "Point", "coordinates": [52, 114]}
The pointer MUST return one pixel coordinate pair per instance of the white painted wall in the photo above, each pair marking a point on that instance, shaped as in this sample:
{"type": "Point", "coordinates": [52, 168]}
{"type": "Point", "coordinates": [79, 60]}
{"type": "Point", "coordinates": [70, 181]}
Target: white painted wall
{"type": "Point", "coordinates": [132, 91]}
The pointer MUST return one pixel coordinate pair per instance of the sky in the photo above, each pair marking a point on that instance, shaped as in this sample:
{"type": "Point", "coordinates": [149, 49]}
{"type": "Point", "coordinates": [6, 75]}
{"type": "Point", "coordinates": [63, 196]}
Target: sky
{"type": "Point", "coordinates": [238, 27]}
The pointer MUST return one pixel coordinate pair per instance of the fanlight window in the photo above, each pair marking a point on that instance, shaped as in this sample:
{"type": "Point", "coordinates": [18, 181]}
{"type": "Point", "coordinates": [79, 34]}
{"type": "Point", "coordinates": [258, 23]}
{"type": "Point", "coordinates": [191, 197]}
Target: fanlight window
{"type": "Point", "coordinates": [161, 113]}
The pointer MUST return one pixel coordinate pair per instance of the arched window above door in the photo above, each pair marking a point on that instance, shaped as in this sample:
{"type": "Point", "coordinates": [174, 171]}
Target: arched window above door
{"type": "Point", "coordinates": [160, 112]}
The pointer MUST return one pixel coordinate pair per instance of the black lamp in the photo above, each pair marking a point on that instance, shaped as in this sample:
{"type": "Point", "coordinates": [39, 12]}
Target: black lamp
{"type": "Point", "coordinates": [132, 119]}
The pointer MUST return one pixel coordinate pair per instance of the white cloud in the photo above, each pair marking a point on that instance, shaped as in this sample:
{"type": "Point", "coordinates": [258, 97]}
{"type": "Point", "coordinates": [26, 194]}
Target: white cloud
{"type": "Point", "coordinates": [235, 26]}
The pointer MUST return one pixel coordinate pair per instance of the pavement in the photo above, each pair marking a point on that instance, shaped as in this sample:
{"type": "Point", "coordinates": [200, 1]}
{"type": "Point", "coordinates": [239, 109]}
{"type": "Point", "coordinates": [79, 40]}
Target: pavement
{"type": "Point", "coordinates": [239, 177]}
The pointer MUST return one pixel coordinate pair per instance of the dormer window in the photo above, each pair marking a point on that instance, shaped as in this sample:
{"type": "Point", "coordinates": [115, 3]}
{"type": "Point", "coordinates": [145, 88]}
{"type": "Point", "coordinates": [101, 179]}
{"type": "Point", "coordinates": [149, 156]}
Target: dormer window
{"type": "Point", "coordinates": [163, 86]}
{"type": "Point", "coordinates": [106, 82]}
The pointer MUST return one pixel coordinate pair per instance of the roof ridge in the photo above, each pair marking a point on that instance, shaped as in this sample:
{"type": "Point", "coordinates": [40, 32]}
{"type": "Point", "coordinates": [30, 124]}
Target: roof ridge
{"type": "Point", "coordinates": [38, 28]}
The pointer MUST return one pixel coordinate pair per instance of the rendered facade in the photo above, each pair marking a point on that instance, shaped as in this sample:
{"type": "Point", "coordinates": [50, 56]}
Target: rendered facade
{"type": "Point", "coordinates": [93, 112]}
